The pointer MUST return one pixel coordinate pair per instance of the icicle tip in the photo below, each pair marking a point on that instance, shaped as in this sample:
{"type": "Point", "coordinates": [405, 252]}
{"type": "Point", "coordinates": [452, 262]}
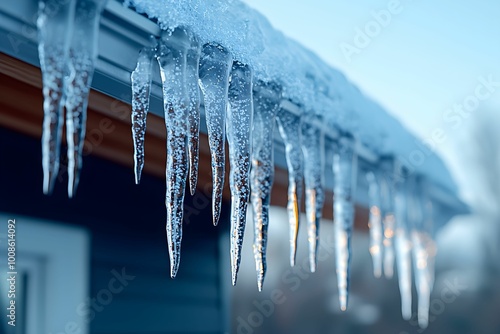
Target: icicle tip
{"type": "Point", "coordinates": [234, 279]}
{"type": "Point", "coordinates": [174, 268]}
{"type": "Point", "coordinates": [260, 283]}
{"type": "Point", "coordinates": [192, 187]}
{"type": "Point", "coordinates": [343, 302]}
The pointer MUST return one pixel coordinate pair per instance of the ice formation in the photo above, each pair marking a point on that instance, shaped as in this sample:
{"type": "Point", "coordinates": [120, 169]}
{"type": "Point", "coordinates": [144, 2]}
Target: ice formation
{"type": "Point", "coordinates": [239, 129]}
{"type": "Point", "coordinates": [172, 58]}
{"type": "Point", "coordinates": [215, 66]}
{"type": "Point", "coordinates": [403, 244]}
{"type": "Point", "coordinates": [266, 101]}
{"type": "Point", "coordinates": [345, 173]}
{"type": "Point", "coordinates": [290, 126]}
{"type": "Point", "coordinates": [140, 80]}
{"type": "Point", "coordinates": [81, 62]}
{"type": "Point", "coordinates": [54, 17]}
{"type": "Point", "coordinates": [388, 219]}
{"type": "Point", "coordinates": [375, 222]}
{"type": "Point", "coordinates": [193, 89]}
{"type": "Point", "coordinates": [312, 141]}
{"type": "Point", "coordinates": [67, 49]}
{"type": "Point", "coordinates": [424, 248]}
{"type": "Point", "coordinates": [233, 56]}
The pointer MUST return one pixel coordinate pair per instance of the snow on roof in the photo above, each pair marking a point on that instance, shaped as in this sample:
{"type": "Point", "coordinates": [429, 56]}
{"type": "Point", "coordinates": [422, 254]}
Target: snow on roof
{"type": "Point", "coordinates": [306, 79]}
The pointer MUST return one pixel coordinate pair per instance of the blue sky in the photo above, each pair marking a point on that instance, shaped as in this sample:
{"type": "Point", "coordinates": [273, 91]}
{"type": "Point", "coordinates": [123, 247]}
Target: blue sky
{"type": "Point", "coordinates": [427, 58]}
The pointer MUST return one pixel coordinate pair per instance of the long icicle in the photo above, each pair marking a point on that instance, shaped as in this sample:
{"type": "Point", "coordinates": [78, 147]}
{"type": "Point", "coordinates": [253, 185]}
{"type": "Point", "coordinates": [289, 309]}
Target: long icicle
{"type": "Point", "coordinates": [422, 281]}
{"type": "Point", "coordinates": [375, 223]}
{"type": "Point", "coordinates": [312, 142]}
{"type": "Point", "coordinates": [192, 78]}
{"type": "Point", "coordinates": [172, 60]}
{"type": "Point", "coordinates": [266, 101]}
{"type": "Point", "coordinates": [289, 126]}
{"type": "Point", "coordinates": [141, 79]}
{"type": "Point", "coordinates": [215, 66]}
{"type": "Point", "coordinates": [345, 173]}
{"type": "Point", "coordinates": [55, 27]}
{"type": "Point", "coordinates": [403, 245]}
{"type": "Point", "coordinates": [239, 128]}
{"type": "Point", "coordinates": [430, 248]}
{"type": "Point", "coordinates": [424, 249]}
{"type": "Point", "coordinates": [82, 57]}
{"type": "Point", "coordinates": [388, 219]}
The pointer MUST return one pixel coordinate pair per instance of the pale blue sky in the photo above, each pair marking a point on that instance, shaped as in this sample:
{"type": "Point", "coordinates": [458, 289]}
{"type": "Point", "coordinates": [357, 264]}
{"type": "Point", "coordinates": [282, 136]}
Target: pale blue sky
{"type": "Point", "coordinates": [426, 59]}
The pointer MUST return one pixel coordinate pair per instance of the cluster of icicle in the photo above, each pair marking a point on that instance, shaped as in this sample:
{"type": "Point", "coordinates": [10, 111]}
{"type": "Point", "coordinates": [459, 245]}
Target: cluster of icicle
{"type": "Point", "coordinates": [245, 112]}
{"type": "Point", "coordinates": [67, 48]}
{"type": "Point", "coordinates": [401, 228]}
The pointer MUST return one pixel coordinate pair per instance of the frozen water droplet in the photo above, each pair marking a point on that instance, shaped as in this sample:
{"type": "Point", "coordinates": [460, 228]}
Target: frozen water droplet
{"type": "Point", "coordinates": [266, 100]}
{"type": "Point", "coordinates": [239, 126]}
{"type": "Point", "coordinates": [345, 174]}
{"type": "Point", "coordinates": [312, 142]}
{"type": "Point", "coordinates": [289, 126]}
{"type": "Point", "coordinates": [215, 66]}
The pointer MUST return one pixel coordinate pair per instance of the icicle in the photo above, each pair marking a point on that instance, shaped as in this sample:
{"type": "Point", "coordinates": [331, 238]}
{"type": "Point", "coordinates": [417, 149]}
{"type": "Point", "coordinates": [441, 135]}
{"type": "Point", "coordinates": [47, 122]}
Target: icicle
{"type": "Point", "coordinates": [312, 142]}
{"type": "Point", "coordinates": [172, 60]}
{"type": "Point", "coordinates": [403, 247]}
{"type": "Point", "coordinates": [192, 69]}
{"type": "Point", "coordinates": [403, 256]}
{"type": "Point", "coordinates": [141, 79]}
{"type": "Point", "coordinates": [375, 223]}
{"type": "Point", "coordinates": [423, 256]}
{"type": "Point", "coordinates": [82, 56]}
{"type": "Point", "coordinates": [421, 277]}
{"type": "Point", "coordinates": [388, 220]}
{"type": "Point", "coordinates": [424, 250]}
{"type": "Point", "coordinates": [289, 126]}
{"type": "Point", "coordinates": [266, 101]}
{"type": "Point", "coordinates": [55, 26]}
{"type": "Point", "coordinates": [239, 127]}
{"type": "Point", "coordinates": [345, 173]}
{"type": "Point", "coordinates": [215, 65]}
